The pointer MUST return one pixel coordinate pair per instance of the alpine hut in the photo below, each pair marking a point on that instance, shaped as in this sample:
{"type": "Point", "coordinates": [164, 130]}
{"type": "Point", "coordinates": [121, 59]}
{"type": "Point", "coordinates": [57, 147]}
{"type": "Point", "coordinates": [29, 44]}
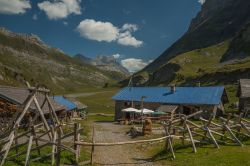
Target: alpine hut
{"type": "Point", "coordinates": [244, 95]}
{"type": "Point", "coordinates": [184, 100]}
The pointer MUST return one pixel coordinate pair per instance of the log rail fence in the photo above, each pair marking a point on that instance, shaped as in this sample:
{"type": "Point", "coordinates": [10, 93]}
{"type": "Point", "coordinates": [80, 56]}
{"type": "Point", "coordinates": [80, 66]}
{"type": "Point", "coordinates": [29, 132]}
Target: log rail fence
{"type": "Point", "coordinates": [178, 127]}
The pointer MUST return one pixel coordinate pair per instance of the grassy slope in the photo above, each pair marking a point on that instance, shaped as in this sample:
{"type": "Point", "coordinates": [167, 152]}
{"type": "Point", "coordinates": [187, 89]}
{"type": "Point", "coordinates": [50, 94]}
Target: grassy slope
{"type": "Point", "coordinates": [34, 71]}
{"type": "Point", "coordinates": [199, 61]}
{"type": "Point", "coordinates": [101, 102]}
{"type": "Point", "coordinates": [202, 63]}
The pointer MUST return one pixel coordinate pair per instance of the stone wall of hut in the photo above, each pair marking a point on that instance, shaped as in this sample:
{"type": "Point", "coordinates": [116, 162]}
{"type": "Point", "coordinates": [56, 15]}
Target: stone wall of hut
{"type": "Point", "coordinates": [119, 105]}
{"type": "Point", "coordinates": [244, 104]}
{"type": "Point", "coordinates": [207, 109]}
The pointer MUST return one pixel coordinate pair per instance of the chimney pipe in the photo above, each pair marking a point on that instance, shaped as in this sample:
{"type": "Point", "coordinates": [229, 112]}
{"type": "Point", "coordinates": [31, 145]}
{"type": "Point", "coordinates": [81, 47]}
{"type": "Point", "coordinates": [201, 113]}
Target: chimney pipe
{"type": "Point", "coordinates": [173, 88]}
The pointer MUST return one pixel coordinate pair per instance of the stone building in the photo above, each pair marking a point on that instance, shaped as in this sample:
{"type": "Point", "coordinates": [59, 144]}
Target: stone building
{"type": "Point", "coordinates": [73, 108]}
{"type": "Point", "coordinates": [11, 103]}
{"type": "Point", "coordinates": [244, 95]}
{"type": "Point", "coordinates": [188, 99]}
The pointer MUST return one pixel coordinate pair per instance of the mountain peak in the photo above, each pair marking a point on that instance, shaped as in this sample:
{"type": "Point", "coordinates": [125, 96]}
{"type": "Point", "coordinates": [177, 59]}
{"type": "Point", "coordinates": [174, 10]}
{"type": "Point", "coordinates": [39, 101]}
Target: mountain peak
{"type": "Point", "coordinates": [103, 62]}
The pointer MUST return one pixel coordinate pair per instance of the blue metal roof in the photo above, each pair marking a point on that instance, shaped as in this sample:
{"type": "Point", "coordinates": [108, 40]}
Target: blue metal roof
{"type": "Point", "coordinates": [182, 95]}
{"type": "Point", "coordinates": [63, 101]}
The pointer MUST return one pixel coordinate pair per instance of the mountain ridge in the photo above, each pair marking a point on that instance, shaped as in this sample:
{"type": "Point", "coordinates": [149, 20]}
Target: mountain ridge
{"type": "Point", "coordinates": [27, 58]}
{"type": "Point", "coordinates": [218, 20]}
{"type": "Point", "coordinates": [108, 63]}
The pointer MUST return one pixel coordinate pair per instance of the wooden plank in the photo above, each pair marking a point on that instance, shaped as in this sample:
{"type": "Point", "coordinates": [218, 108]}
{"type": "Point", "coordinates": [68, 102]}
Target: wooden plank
{"type": "Point", "coordinates": [16, 139]}
{"type": "Point", "coordinates": [232, 135]}
{"type": "Point", "coordinates": [124, 143]}
{"type": "Point", "coordinates": [169, 140]}
{"type": "Point", "coordinates": [7, 148]}
{"type": "Point", "coordinates": [19, 145]}
{"type": "Point", "coordinates": [171, 147]}
{"type": "Point", "coordinates": [36, 141]}
{"type": "Point", "coordinates": [28, 151]}
{"type": "Point", "coordinates": [58, 156]}
{"type": "Point", "coordinates": [43, 117]}
{"type": "Point", "coordinates": [38, 89]}
{"type": "Point", "coordinates": [53, 112]}
{"type": "Point", "coordinates": [245, 128]}
{"type": "Point", "coordinates": [93, 145]}
{"type": "Point", "coordinates": [214, 111]}
{"type": "Point", "coordinates": [212, 137]}
{"type": "Point", "coordinates": [239, 126]}
{"type": "Point", "coordinates": [53, 148]}
{"type": "Point", "coordinates": [187, 117]}
{"type": "Point", "coordinates": [198, 134]}
{"type": "Point", "coordinates": [78, 147]}
{"type": "Point", "coordinates": [76, 138]}
{"type": "Point", "coordinates": [207, 125]}
{"type": "Point", "coordinates": [191, 137]}
{"type": "Point", "coordinates": [27, 105]}
{"type": "Point", "coordinates": [213, 123]}
{"type": "Point", "coordinates": [32, 149]}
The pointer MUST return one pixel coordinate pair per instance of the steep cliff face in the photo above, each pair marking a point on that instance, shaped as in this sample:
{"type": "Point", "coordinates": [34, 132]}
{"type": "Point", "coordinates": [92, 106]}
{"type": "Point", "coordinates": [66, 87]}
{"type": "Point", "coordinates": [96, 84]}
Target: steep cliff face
{"type": "Point", "coordinates": [218, 20]}
{"type": "Point", "coordinates": [216, 46]}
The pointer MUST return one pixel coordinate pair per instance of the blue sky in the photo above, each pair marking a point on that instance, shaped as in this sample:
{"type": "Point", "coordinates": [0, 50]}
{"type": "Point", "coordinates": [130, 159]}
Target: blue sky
{"type": "Point", "coordinates": [136, 31]}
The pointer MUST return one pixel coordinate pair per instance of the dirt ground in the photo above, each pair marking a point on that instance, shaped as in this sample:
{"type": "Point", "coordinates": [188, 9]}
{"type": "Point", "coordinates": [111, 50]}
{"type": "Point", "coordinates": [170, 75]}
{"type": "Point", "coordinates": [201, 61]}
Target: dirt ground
{"type": "Point", "coordinates": [124, 155]}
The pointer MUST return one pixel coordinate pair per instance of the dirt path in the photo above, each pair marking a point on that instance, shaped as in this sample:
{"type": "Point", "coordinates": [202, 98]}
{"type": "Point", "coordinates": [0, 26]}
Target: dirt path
{"type": "Point", "coordinates": [125, 155]}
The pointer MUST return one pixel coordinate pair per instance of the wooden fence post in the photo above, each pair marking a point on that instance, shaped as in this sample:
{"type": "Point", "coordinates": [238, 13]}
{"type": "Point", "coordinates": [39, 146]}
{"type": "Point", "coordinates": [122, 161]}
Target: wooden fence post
{"type": "Point", "coordinates": [28, 151]}
{"type": "Point", "coordinates": [76, 139]}
{"type": "Point", "coordinates": [190, 136]}
{"type": "Point", "coordinates": [168, 144]}
{"type": "Point", "coordinates": [53, 146]}
{"type": "Point", "coordinates": [58, 157]}
{"type": "Point", "coordinates": [93, 147]}
{"type": "Point", "coordinates": [7, 147]}
{"type": "Point", "coordinates": [16, 139]}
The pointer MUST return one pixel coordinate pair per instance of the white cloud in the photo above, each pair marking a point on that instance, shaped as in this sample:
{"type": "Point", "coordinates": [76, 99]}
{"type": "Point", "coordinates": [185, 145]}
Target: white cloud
{"type": "Point", "coordinates": [130, 27]}
{"type": "Point", "coordinates": [128, 40]}
{"type": "Point", "coordinates": [133, 64]}
{"type": "Point", "coordinates": [14, 6]}
{"type": "Point", "coordinates": [97, 30]}
{"type": "Point", "coordinates": [34, 17]}
{"type": "Point", "coordinates": [60, 9]}
{"type": "Point", "coordinates": [106, 31]}
{"type": "Point", "coordinates": [116, 56]}
{"type": "Point", "coordinates": [202, 1]}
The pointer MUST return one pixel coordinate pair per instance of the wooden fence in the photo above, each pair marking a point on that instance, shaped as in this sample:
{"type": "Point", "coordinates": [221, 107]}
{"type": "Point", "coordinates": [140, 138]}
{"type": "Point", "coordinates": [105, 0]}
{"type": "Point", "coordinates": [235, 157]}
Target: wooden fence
{"type": "Point", "coordinates": [179, 127]}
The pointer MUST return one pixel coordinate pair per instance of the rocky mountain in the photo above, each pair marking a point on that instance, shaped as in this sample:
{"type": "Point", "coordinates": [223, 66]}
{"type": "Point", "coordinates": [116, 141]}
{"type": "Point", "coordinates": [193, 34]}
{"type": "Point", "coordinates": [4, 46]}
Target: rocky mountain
{"type": "Point", "coordinates": [217, 21]}
{"type": "Point", "coordinates": [26, 57]}
{"type": "Point", "coordinates": [83, 58]}
{"type": "Point", "coordinates": [107, 63]}
{"type": "Point", "coordinates": [218, 36]}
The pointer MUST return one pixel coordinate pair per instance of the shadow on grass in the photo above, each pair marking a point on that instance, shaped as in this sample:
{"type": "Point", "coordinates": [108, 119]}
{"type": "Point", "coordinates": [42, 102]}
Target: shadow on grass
{"type": "Point", "coordinates": [162, 155]}
{"type": "Point", "coordinates": [178, 149]}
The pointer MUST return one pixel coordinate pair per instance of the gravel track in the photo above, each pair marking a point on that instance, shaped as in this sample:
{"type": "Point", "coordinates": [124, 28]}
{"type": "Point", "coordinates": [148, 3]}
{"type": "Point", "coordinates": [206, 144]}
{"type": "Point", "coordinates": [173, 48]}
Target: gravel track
{"type": "Point", "coordinates": [124, 155]}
